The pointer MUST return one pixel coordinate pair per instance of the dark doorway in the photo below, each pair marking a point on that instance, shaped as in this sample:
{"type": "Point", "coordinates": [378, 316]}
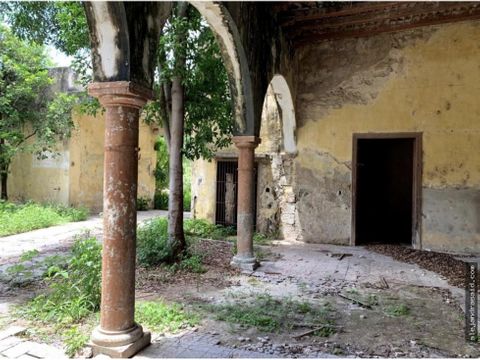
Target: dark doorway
{"type": "Point", "coordinates": [385, 192]}
{"type": "Point", "coordinates": [227, 193]}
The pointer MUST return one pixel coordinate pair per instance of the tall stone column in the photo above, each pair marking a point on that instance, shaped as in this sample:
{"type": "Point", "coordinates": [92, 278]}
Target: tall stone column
{"type": "Point", "coordinates": [245, 258]}
{"type": "Point", "coordinates": [118, 335]}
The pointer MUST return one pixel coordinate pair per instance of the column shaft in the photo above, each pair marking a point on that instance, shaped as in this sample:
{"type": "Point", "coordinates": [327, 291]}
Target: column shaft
{"type": "Point", "coordinates": [246, 190]}
{"type": "Point", "coordinates": [118, 335]}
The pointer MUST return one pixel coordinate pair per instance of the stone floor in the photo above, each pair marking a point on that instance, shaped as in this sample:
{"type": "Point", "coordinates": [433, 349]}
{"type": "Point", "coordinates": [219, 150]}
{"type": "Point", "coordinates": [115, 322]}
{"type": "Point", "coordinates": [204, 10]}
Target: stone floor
{"type": "Point", "coordinates": [12, 346]}
{"type": "Point", "coordinates": [194, 345]}
{"type": "Point", "coordinates": [309, 269]}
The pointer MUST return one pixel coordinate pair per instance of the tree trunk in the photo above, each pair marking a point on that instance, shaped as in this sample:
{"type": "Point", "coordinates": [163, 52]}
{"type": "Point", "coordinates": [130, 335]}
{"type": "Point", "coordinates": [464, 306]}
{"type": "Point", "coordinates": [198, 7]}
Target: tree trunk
{"type": "Point", "coordinates": [176, 236]}
{"type": "Point", "coordinates": [175, 201]}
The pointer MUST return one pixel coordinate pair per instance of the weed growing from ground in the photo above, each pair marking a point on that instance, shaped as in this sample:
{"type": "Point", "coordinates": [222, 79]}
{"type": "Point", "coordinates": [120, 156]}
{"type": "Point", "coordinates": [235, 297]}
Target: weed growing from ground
{"type": "Point", "coordinates": [270, 314]}
{"type": "Point", "coordinates": [74, 292]}
{"type": "Point", "coordinates": [162, 317]}
{"type": "Point", "coordinates": [397, 310]}
{"type": "Point", "coordinates": [198, 228]}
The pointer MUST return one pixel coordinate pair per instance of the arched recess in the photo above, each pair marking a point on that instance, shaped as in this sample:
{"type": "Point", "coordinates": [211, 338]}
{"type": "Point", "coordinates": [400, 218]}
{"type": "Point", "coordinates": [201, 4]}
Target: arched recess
{"type": "Point", "coordinates": [235, 60]}
{"type": "Point", "coordinates": [281, 111]}
{"type": "Point", "coordinates": [124, 37]}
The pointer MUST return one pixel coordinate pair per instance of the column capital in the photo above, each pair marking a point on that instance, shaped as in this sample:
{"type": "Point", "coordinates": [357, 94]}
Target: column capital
{"type": "Point", "coordinates": [246, 141]}
{"type": "Point", "coordinates": [120, 93]}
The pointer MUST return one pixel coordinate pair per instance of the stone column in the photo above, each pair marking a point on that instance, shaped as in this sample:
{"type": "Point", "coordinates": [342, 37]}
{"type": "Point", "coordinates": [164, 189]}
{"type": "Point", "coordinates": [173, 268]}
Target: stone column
{"type": "Point", "coordinates": [118, 335]}
{"type": "Point", "coordinates": [245, 258]}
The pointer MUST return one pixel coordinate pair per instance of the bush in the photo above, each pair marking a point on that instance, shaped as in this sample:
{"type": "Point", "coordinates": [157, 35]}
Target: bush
{"type": "Point", "coordinates": [160, 201]}
{"type": "Point", "coordinates": [143, 203]}
{"type": "Point", "coordinates": [152, 243]}
{"type": "Point", "coordinates": [204, 229]}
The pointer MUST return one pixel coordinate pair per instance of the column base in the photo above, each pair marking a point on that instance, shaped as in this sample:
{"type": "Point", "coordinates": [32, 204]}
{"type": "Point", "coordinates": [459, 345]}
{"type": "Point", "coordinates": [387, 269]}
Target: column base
{"type": "Point", "coordinates": [119, 344]}
{"type": "Point", "coordinates": [245, 262]}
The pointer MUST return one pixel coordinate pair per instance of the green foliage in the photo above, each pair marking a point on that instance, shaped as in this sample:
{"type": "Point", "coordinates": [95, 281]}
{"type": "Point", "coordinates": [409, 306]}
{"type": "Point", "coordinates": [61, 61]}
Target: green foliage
{"type": "Point", "coordinates": [16, 219]}
{"type": "Point", "coordinates": [267, 313]}
{"type": "Point", "coordinates": [208, 104]}
{"type": "Point", "coordinates": [191, 263]}
{"type": "Point", "coordinates": [161, 169]}
{"type": "Point", "coordinates": [200, 228]}
{"type": "Point", "coordinates": [61, 24]}
{"type": "Point", "coordinates": [74, 340]}
{"type": "Point", "coordinates": [27, 109]}
{"type": "Point", "coordinates": [161, 317]}
{"type": "Point", "coordinates": [397, 310]}
{"type": "Point", "coordinates": [143, 203]}
{"type": "Point", "coordinates": [74, 292]}
{"type": "Point", "coordinates": [187, 184]}
{"type": "Point", "coordinates": [160, 200]}
{"type": "Point", "coordinates": [152, 243]}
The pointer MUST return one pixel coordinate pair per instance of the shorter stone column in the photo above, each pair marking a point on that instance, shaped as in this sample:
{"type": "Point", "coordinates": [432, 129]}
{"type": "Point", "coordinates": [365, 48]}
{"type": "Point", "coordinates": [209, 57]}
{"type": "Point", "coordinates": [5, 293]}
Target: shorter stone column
{"type": "Point", "coordinates": [245, 258]}
{"type": "Point", "coordinates": [118, 335]}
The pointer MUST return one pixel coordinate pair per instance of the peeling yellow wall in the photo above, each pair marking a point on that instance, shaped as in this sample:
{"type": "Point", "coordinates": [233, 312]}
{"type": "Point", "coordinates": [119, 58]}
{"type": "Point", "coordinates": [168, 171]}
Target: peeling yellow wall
{"type": "Point", "coordinates": [204, 176]}
{"type": "Point", "coordinates": [424, 80]}
{"type": "Point", "coordinates": [86, 154]}
{"type": "Point", "coordinates": [44, 180]}
{"type": "Point", "coordinates": [79, 176]}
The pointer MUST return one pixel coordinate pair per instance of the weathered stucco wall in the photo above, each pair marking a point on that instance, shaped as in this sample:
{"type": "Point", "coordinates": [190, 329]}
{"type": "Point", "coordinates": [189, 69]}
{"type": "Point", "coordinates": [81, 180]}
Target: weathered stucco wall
{"type": "Point", "coordinates": [76, 176]}
{"type": "Point", "coordinates": [42, 180]}
{"type": "Point", "coordinates": [86, 163]}
{"type": "Point", "coordinates": [422, 80]}
{"type": "Point", "coordinates": [204, 176]}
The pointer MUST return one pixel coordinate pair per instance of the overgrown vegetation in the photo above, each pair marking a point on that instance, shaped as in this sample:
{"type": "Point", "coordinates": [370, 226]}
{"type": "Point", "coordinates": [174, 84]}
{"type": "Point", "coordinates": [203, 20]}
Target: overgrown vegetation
{"type": "Point", "coordinates": [159, 316]}
{"type": "Point", "coordinates": [200, 228]}
{"type": "Point", "coordinates": [18, 218]}
{"type": "Point", "coordinates": [74, 291]}
{"type": "Point", "coordinates": [153, 248]}
{"type": "Point", "coordinates": [266, 313]}
{"type": "Point", "coordinates": [397, 310]}
{"type": "Point", "coordinates": [73, 294]}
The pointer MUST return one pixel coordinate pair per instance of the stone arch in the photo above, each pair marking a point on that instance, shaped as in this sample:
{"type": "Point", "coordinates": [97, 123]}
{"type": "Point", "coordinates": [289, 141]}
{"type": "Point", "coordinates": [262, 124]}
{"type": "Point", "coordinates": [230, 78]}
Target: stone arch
{"type": "Point", "coordinates": [284, 100]}
{"type": "Point", "coordinates": [235, 60]}
{"type": "Point", "coordinates": [278, 123]}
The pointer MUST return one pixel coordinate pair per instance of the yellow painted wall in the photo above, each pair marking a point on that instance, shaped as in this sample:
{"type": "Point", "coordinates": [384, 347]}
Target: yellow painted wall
{"type": "Point", "coordinates": [425, 80]}
{"type": "Point", "coordinates": [204, 176]}
{"type": "Point", "coordinates": [44, 180]}
{"type": "Point", "coordinates": [79, 176]}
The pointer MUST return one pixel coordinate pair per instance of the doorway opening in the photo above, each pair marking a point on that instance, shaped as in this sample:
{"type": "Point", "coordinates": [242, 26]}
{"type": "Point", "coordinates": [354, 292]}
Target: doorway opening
{"type": "Point", "coordinates": [386, 188]}
{"type": "Point", "coordinates": [227, 193]}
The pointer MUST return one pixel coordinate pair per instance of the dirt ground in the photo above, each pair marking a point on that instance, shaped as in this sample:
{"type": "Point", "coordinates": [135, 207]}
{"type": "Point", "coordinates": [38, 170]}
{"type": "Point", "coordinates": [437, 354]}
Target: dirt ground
{"type": "Point", "coordinates": [378, 306]}
{"type": "Point", "coordinates": [401, 319]}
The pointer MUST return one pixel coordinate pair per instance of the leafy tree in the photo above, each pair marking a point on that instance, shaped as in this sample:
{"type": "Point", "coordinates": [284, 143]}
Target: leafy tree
{"type": "Point", "coordinates": [192, 95]}
{"type": "Point", "coordinates": [193, 102]}
{"type": "Point", "coordinates": [26, 109]}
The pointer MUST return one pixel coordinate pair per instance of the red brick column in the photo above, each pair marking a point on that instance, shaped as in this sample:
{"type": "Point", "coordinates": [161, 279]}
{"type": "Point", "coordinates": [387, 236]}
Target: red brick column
{"type": "Point", "coordinates": [245, 258]}
{"type": "Point", "coordinates": [118, 335]}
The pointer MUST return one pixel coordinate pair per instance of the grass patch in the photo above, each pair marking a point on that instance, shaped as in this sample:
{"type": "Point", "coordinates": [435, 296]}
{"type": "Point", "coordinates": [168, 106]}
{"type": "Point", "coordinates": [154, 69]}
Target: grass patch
{"type": "Point", "coordinates": [397, 310]}
{"type": "Point", "coordinates": [15, 218]}
{"type": "Point", "coordinates": [162, 317]}
{"type": "Point", "coordinates": [198, 228]}
{"type": "Point", "coordinates": [264, 239]}
{"type": "Point", "coordinates": [269, 314]}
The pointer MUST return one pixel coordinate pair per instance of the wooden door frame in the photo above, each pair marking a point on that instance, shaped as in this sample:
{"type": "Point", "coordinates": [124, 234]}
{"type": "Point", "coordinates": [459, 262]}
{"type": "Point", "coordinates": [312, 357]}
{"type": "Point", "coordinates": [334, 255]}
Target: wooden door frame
{"type": "Point", "coordinates": [417, 180]}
